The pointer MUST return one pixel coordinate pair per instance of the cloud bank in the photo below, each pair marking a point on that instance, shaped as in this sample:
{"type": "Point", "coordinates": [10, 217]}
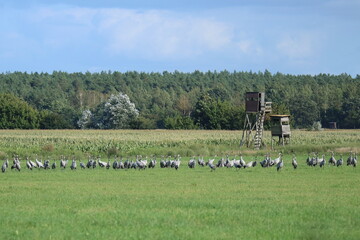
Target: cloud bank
{"type": "Point", "coordinates": [71, 38]}
{"type": "Point", "coordinates": [145, 34]}
{"type": "Point", "coordinates": [160, 34]}
{"type": "Point", "coordinates": [150, 34]}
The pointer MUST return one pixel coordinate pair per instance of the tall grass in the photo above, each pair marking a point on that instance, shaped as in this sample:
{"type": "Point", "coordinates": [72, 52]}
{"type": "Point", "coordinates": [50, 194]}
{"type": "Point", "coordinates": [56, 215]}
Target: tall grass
{"type": "Point", "coordinates": [162, 142]}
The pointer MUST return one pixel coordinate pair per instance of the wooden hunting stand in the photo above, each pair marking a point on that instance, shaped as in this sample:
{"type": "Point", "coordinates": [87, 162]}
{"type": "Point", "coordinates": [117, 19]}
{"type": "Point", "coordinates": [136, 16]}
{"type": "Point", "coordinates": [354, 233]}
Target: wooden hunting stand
{"type": "Point", "coordinates": [256, 108]}
{"type": "Point", "coordinates": [280, 128]}
{"type": "Point", "coordinates": [332, 125]}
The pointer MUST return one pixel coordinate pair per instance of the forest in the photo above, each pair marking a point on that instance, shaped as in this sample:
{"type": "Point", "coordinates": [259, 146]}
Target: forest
{"type": "Point", "coordinates": [177, 100]}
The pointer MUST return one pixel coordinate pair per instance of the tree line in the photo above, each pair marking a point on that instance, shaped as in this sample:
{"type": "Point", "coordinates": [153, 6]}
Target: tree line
{"type": "Point", "coordinates": [176, 100]}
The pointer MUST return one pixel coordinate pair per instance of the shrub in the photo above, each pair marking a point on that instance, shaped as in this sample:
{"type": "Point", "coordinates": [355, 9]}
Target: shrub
{"type": "Point", "coordinates": [16, 113]}
{"type": "Point", "coordinates": [316, 126]}
{"type": "Point", "coordinates": [48, 148]}
{"type": "Point", "coordinates": [112, 151]}
{"type": "Point", "coordinates": [3, 156]}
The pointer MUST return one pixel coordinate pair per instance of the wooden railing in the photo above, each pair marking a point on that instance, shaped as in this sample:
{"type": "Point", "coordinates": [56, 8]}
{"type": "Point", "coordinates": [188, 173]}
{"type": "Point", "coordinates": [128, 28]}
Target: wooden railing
{"type": "Point", "coordinates": [268, 107]}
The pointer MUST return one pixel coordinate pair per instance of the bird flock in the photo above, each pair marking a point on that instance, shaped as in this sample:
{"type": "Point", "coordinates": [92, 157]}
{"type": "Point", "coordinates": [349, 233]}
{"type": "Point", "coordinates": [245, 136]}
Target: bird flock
{"type": "Point", "coordinates": [141, 163]}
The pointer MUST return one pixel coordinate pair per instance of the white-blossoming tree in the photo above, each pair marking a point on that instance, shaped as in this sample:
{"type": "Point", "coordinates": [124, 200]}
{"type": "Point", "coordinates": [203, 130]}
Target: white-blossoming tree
{"type": "Point", "coordinates": [116, 113]}
{"type": "Point", "coordinates": [85, 119]}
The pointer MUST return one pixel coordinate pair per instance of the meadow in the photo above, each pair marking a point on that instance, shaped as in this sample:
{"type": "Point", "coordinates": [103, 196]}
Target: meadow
{"type": "Point", "coordinates": [254, 203]}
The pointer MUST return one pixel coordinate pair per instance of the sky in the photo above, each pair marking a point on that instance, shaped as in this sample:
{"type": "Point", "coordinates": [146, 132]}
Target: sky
{"type": "Point", "coordinates": [291, 37]}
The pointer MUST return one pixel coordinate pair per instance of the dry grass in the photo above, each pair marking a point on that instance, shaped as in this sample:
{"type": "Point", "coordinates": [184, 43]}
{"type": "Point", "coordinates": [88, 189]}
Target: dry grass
{"type": "Point", "coordinates": [347, 149]}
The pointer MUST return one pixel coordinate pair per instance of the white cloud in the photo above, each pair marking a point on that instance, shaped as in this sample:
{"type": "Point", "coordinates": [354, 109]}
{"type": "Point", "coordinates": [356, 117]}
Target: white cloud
{"type": "Point", "coordinates": [249, 47]}
{"type": "Point", "coordinates": [298, 45]}
{"type": "Point", "coordinates": [161, 33]}
{"type": "Point", "coordinates": [150, 34]}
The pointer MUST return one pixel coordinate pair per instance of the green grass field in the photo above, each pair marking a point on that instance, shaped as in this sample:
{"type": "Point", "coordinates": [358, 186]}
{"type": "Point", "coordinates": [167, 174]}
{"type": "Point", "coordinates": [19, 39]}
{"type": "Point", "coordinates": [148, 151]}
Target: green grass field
{"type": "Point", "coordinates": [255, 203]}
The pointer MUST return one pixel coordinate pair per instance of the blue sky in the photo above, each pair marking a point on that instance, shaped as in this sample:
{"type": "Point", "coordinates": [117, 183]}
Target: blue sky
{"type": "Point", "coordinates": [295, 37]}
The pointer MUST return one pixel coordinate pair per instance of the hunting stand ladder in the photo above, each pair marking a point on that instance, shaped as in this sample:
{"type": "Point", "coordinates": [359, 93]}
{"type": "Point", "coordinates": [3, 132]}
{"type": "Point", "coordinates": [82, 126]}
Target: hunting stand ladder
{"type": "Point", "coordinates": [256, 108]}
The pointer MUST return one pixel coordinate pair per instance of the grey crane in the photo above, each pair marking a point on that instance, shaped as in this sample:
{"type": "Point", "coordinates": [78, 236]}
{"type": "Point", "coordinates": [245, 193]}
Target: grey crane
{"type": "Point", "coordinates": [133, 165]}
{"type": "Point", "coordinates": [28, 164]}
{"type": "Point", "coordinates": [16, 162]}
{"type": "Point", "coordinates": [210, 161]}
{"type": "Point", "coordinates": [242, 161]}
{"type": "Point", "coordinates": [140, 165]}
{"type": "Point", "coordinates": [308, 160]}
{"type": "Point", "coordinates": [152, 162]}
{"type": "Point", "coordinates": [73, 165]}
{"type": "Point", "coordinates": [201, 161]}
{"type": "Point", "coordinates": [15, 159]}
{"type": "Point", "coordinates": [177, 162]}
{"type": "Point", "coordinates": [332, 159]}
{"type": "Point", "coordinates": [3, 167]}
{"type": "Point", "coordinates": [53, 166]}
{"type": "Point", "coordinates": [39, 164]}
{"type": "Point", "coordinates": [229, 163]}
{"type": "Point", "coordinates": [121, 164]}
{"type": "Point", "coordinates": [101, 163]}
{"type": "Point", "coordinates": [251, 163]}
{"type": "Point", "coordinates": [255, 162]}
{"type": "Point", "coordinates": [280, 165]}
{"type": "Point", "coordinates": [127, 164]}
{"type": "Point", "coordinates": [144, 161]}
{"type": "Point", "coordinates": [47, 163]}
{"type": "Point", "coordinates": [313, 161]}
{"type": "Point", "coordinates": [271, 162]}
{"type": "Point", "coordinates": [16, 166]}
{"type": "Point", "coordinates": [265, 163]}
{"type": "Point", "coordinates": [82, 165]}
{"type": "Point", "coordinates": [237, 164]}
{"type": "Point", "coordinates": [322, 161]}
{"type": "Point", "coordinates": [354, 161]}
{"type": "Point", "coordinates": [173, 162]}
{"type": "Point", "coordinates": [212, 166]}
{"type": "Point", "coordinates": [221, 163]}
{"type": "Point", "coordinates": [115, 163]}
{"type": "Point", "coordinates": [93, 164]}
{"type": "Point", "coordinates": [294, 162]}
{"type": "Point", "coordinates": [339, 162]}
{"type": "Point", "coordinates": [278, 159]}
{"type": "Point", "coordinates": [63, 162]}
{"type": "Point", "coordinates": [89, 164]}
{"type": "Point", "coordinates": [32, 164]}
{"type": "Point", "coordinates": [350, 159]}
{"type": "Point", "coordinates": [162, 164]}
{"type": "Point", "coordinates": [169, 162]}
